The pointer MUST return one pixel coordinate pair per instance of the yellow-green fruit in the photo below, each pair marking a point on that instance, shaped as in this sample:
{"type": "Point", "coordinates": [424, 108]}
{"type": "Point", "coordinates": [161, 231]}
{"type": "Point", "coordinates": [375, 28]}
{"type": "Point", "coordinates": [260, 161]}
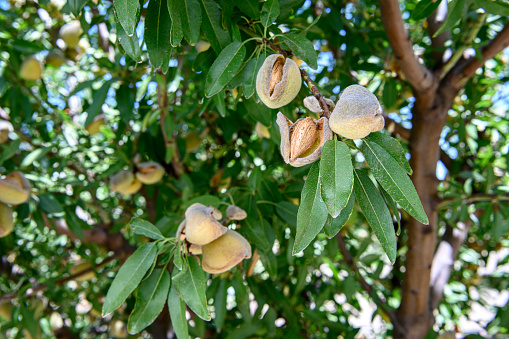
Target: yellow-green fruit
{"type": "Point", "coordinates": [55, 59]}
{"type": "Point", "coordinates": [149, 172]}
{"type": "Point", "coordinates": [6, 220]}
{"type": "Point", "coordinates": [5, 129]}
{"type": "Point", "coordinates": [235, 213]}
{"type": "Point", "coordinates": [118, 329]}
{"type": "Point", "coordinates": [225, 252]}
{"type": "Point", "coordinates": [6, 310]}
{"type": "Point", "coordinates": [357, 113]}
{"type": "Point", "coordinates": [124, 182]}
{"type": "Point", "coordinates": [201, 226]}
{"type": "Point", "coordinates": [202, 46]}
{"type": "Point", "coordinates": [261, 130]}
{"type": "Point", "coordinates": [31, 69]}
{"type": "Point", "coordinates": [71, 33]}
{"type": "Point", "coordinates": [14, 189]}
{"type": "Point", "coordinates": [278, 81]}
{"type": "Point", "coordinates": [95, 126]}
{"type": "Point", "coordinates": [76, 269]}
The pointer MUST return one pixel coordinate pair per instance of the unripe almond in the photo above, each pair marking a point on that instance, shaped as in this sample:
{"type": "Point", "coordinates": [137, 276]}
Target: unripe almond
{"type": "Point", "coordinates": [55, 59]}
{"type": "Point", "coordinates": [149, 172]}
{"type": "Point", "coordinates": [314, 106]}
{"type": "Point", "coordinates": [261, 130]}
{"type": "Point", "coordinates": [278, 81]}
{"type": "Point", "coordinates": [95, 126]}
{"type": "Point", "coordinates": [14, 189]}
{"type": "Point", "coordinates": [357, 113]}
{"type": "Point", "coordinates": [6, 220]}
{"type": "Point", "coordinates": [5, 129]}
{"type": "Point", "coordinates": [235, 213]}
{"type": "Point", "coordinates": [124, 182]}
{"type": "Point", "coordinates": [201, 226]}
{"type": "Point", "coordinates": [225, 252]}
{"type": "Point", "coordinates": [71, 33]}
{"type": "Point", "coordinates": [31, 69]}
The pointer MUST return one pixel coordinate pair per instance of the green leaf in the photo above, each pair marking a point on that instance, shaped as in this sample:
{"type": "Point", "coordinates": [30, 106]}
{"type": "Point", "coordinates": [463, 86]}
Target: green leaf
{"type": "Point", "coordinates": [312, 211]}
{"type": "Point", "coordinates": [392, 206]}
{"type": "Point", "coordinates": [390, 94]}
{"type": "Point", "coordinates": [143, 227]}
{"type": "Point", "coordinates": [269, 262]}
{"type": "Point", "coordinates": [270, 12]}
{"type": "Point", "coordinates": [127, 13]}
{"type": "Point", "coordinates": [254, 230]}
{"type": "Point", "coordinates": [302, 48]}
{"type": "Point", "coordinates": [191, 286]}
{"type": "Point", "coordinates": [190, 19]}
{"type": "Point", "coordinates": [224, 68]}
{"type": "Point", "coordinates": [394, 180]}
{"type": "Point", "coordinates": [177, 309]}
{"type": "Point", "coordinates": [249, 74]}
{"type": "Point", "coordinates": [255, 179]}
{"type": "Point", "coordinates": [157, 32]}
{"type": "Point", "coordinates": [424, 8]}
{"type": "Point", "coordinates": [129, 276]}
{"type": "Point", "coordinates": [456, 8]}
{"type": "Point", "coordinates": [336, 176]}
{"type": "Point", "coordinates": [374, 209]}
{"type": "Point", "coordinates": [494, 7]}
{"type": "Point", "coordinates": [35, 155]}
{"type": "Point", "coordinates": [288, 212]}
{"type": "Point", "coordinates": [249, 7]}
{"type": "Point", "coordinates": [220, 104]}
{"type": "Point", "coordinates": [176, 33]}
{"type": "Point", "coordinates": [130, 44]}
{"type": "Point", "coordinates": [98, 100]}
{"type": "Point", "coordinates": [218, 37]}
{"type": "Point", "coordinates": [393, 147]}
{"type": "Point", "coordinates": [220, 305]}
{"type": "Point", "coordinates": [150, 299]}
{"type": "Point", "coordinates": [10, 150]}
{"type": "Point", "coordinates": [76, 6]}
{"type": "Point", "coordinates": [49, 204]}
{"type": "Point", "coordinates": [334, 225]}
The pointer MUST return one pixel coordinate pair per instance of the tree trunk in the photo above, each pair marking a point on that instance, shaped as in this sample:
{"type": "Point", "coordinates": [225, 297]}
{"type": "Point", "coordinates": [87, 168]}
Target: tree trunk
{"type": "Point", "coordinates": [415, 315]}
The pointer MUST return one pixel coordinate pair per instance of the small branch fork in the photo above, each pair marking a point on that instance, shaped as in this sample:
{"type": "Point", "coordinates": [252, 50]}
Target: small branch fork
{"type": "Point", "coordinates": [311, 85]}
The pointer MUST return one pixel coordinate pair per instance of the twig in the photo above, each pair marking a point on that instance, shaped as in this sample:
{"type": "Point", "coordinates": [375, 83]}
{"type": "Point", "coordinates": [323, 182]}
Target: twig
{"type": "Point", "coordinates": [311, 85]}
{"type": "Point", "coordinates": [472, 199]}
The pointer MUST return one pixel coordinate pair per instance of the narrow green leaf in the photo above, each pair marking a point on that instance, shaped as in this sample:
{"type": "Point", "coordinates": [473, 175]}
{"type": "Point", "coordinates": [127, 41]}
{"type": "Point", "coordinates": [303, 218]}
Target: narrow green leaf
{"type": "Point", "coordinates": [302, 48]}
{"type": "Point", "coordinates": [394, 180]}
{"type": "Point", "coordinates": [336, 176]}
{"type": "Point", "coordinates": [177, 309]}
{"type": "Point", "coordinates": [190, 19]}
{"type": "Point", "coordinates": [76, 6]}
{"type": "Point", "coordinates": [312, 211]}
{"type": "Point", "coordinates": [270, 12]}
{"type": "Point", "coordinates": [176, 33]}
{"type": "Point", "coordinates": [390, 94]}
{"type": "Point", "coordinates": [254, 231]}
{"type": "Point", "coordinates": [220, 305]}
{"type": "Point", "coordinates": [129, 276]}
{"type": "Point", "coordinates": [393, 147]}
{"type": "Point", "coordinates": [249, 7]}
{"type": "Point", "coordinates": [127, 13]}
{"type": "Point", "coordinates": [150, 299]}
{"type": "Point", "coordinates": [218, 37]}
{"type": "Point", "coordinates": [98, 100]}
{"type": "Point", "coordinates": [191, 286]}
{"type": "Point", "coordinates": [220, 104]}
{"type": "Point", "coordinates": [143, 227]}
{"type": "Point", "coordinates": [288, 212]}
{"type": "Point", "coordinates": [334, 225]}
{"type": "Point", "coordinates": [130, 44]}
{"type": "Point", "coordinates": [374, 209]}
{"type": "Point", "coordinates": [224, 68]}
{"type": "Point", "coordinates": [10, 150]}
{"type": "Point", "coordinates": [249, 74]}
{"type": "Point", "coordinates": [456, 8]}
{"type": "Point", "coordinates": [35, 155]}
{"type": "Point", "coordinates": [424, 8]}
{"type": "Point", "coordinates": [269, 262]}
{"type": "Point", "coordinates": [157, 35]}
{"type": "Point", "coordinates": [392, 206]}
{"type": "Point", "coordinates": [49, 204]}
{"type": "Point", "coordinates": [255, 179]}
{"type": "Point", "coordinates": [494, 7]}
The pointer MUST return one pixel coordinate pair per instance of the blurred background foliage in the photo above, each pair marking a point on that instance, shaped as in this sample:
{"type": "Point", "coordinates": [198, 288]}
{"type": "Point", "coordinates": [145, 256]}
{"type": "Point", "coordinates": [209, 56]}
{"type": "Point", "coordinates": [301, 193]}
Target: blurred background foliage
{"type": "Point", "coordinates": [213, 154]}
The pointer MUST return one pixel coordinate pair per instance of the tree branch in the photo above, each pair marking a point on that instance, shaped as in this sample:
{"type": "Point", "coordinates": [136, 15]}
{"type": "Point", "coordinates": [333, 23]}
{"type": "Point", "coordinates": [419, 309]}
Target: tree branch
{"type": "Point", "coordinates": [443, 260]}
{"type": "Point", "coordinates": [417, 74]}
{"type": "Point", "coordinates": [465, 68]}
{"type": "Point", "coordinates": [472, 199]}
